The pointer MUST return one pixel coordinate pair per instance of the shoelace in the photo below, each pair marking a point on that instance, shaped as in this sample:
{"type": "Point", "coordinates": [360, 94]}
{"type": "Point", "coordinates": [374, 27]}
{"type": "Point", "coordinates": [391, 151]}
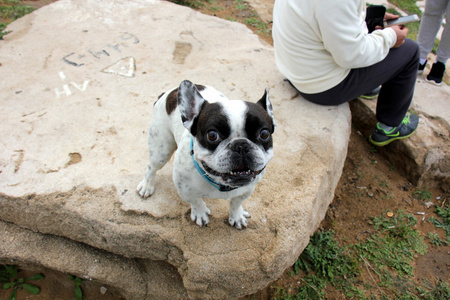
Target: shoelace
{"type": "Point", "coordinates": [406, 120]}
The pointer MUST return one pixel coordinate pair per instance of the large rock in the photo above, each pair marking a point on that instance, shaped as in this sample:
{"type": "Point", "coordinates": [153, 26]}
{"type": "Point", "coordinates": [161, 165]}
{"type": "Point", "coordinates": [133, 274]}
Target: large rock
{"type": "Point", "coordinates": [77, 83]}
{"type": "Point", "coordinates": [424, 158]}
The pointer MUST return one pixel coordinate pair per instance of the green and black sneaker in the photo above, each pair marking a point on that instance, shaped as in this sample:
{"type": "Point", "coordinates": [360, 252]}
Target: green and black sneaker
{"type": "Point", "coordinates": [372, 94]}
{"type": "Point", "coordinates": [381, 137]}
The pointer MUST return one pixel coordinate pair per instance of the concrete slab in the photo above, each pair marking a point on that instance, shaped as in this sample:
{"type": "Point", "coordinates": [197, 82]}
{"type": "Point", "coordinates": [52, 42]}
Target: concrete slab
{"type": "Point", "coordinates": [77, 83]}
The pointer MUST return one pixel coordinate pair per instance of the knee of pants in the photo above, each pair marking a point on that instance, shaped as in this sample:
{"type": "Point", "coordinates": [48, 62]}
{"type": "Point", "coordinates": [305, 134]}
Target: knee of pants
{"type": "Point", "coordinates": [412, 48]}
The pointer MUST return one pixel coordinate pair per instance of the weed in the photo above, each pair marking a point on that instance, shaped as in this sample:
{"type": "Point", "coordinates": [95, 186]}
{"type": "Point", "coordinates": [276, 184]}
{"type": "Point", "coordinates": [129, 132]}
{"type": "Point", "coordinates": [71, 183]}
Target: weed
{"type": "Point", "coordinates": [385, 256]}
{"type": "Point", "coordinates": [387, 196]}
{"type": "Point", "coordinates": [409, 6]}
{"type": "Point", "coordinates": [2, 30]}
{"type": "Point", "coordinates": [11, 10]}
{"type": "Point", "coordinates": [390, 251]}
{"type": "Point", "coordinates": [440, 290]}
{"type": "Point", "coordinates": [258, 24]}
{"type": "Point", "coordinates": [325, 261]}
{"type": "Point", "coordinates": [444, 223]}
{"type": "Point", "coordinates": [78, 291]}
{"type": "Point", "coordinates": [9, 277]}
{"type": "Point", "coordinates": [241, 6]}
{"type": "Point", "coordinates": [384, 183]}
{"type": "Point", "coordinates": [422, 194]}
{"type": "Point", "coordinates": [255, 22]}
{"type": "Point", "coordinates": [435, 240]}
{"type": "Point", "coordinates": [216, 8]}
{"type": "Point", "coordinates": [189, 3]}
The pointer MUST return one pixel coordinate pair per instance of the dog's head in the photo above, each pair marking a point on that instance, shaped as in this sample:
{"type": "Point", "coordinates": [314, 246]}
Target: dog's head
{"type": "Point", "coordinates": [232, 139]}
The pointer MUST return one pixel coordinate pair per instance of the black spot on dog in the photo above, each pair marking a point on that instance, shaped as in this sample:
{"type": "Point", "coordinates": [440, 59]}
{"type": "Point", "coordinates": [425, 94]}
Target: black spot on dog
{"type": "Point", "coordinates": [211, 118]}
{"type": "Point", "coordinates": [200, 87]}
{"type": "Point", "coordinates": [172, 101]}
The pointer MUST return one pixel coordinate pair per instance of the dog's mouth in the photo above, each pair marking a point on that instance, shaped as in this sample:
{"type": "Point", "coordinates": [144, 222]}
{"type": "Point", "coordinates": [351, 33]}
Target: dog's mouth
{"type": "Point", "coordinates": [235, 176]}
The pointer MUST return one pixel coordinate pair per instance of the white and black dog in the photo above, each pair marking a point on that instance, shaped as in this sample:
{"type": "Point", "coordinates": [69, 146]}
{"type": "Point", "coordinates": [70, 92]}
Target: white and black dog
{"type": "Point", "coordinates": [223, 147]}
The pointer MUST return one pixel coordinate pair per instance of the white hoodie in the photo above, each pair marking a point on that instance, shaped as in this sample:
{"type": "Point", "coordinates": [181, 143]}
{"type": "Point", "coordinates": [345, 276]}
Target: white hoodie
{"type": "Point", "coordinates": [318, 42]}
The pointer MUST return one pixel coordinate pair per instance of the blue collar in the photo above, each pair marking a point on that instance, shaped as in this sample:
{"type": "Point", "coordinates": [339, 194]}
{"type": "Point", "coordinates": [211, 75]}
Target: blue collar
{"type": "Point", "coordinates": [219, 186]}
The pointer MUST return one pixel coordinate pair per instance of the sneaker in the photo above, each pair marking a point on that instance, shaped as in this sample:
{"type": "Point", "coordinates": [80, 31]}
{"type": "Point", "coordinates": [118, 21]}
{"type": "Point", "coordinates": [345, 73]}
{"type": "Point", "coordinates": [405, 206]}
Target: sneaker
{"type": "Point", "coordinates": [381, 137]}
{"type": "Point", "coordinates": [372, 94]}
{"type": "Point", "coordinates": [436, 74]}
{"type": "Point", "coordinates": [421, 67]}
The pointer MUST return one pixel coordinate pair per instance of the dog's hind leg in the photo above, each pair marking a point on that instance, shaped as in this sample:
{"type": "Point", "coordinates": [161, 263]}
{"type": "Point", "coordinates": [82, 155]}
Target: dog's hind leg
{"type": "Point", "coordinates": [161, 147]}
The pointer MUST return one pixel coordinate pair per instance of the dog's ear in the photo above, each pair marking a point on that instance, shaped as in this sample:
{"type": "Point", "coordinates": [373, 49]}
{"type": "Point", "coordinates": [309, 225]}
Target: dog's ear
{"type": "Point", "coordinates": [190, 102]}
{"type": "Point", "coordinates": [267, 105]}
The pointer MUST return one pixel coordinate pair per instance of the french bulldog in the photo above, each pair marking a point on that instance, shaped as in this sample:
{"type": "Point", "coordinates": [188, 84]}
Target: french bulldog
{"type": "Point", "coordinates": [222, 147]}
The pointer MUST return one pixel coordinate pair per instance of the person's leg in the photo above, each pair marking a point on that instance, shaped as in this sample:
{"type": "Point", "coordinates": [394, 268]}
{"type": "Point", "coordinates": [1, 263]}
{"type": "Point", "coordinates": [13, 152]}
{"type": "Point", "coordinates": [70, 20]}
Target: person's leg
{"type": "Point", "coordinates": [443, 50]}
{"type": "Point", "coordinates": [430, 24]}
{"type": "Point", "coordinates": [396, 74]}
{"type": "Point", "coordinates": [397, 92]}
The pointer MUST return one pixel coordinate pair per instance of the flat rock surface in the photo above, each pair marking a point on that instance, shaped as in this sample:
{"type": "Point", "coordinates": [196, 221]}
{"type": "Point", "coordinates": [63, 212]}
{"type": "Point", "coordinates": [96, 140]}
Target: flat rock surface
{"type": "Point", "coordinates": [78, 80]}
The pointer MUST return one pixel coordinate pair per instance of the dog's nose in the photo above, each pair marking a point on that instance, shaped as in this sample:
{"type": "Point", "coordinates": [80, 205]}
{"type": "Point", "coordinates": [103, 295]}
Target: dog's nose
{"type": "Point", "coordinates": [241, 147]}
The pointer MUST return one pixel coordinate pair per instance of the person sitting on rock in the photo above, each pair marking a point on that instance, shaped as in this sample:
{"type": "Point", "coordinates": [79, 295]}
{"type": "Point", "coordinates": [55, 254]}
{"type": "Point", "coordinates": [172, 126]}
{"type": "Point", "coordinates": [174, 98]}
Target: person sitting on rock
{"type": "Point", "coordinates": [325, 51]}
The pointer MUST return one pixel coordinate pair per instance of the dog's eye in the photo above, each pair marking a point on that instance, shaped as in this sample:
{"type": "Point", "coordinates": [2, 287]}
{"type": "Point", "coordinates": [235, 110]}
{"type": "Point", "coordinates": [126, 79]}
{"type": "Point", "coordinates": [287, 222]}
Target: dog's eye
{"type": "Point", "coordinates": [212, 136]}
{"type": "Point", "coordinates": [264, 134]}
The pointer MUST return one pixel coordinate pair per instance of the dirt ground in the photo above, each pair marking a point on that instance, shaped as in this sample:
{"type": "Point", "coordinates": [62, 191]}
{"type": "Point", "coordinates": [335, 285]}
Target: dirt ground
{"type": "Point", "coordinates": [369, 187]}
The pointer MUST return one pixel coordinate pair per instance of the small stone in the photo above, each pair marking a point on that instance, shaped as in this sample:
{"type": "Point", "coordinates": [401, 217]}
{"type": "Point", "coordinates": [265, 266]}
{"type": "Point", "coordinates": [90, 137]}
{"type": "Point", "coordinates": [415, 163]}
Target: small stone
{"type": "Point", "coordinates": [103, 290]}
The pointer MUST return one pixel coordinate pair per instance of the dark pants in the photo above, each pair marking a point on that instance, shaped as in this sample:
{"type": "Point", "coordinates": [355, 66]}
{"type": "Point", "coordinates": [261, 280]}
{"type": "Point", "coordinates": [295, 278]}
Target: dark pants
{"type": "Point", "coordinates": [397, 74]}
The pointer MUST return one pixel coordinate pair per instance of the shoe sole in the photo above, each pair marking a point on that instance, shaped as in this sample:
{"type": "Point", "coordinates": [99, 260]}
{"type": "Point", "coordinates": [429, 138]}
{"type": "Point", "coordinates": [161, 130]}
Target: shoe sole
{"type": "Point", "coordinates": [381, 144]}
{"type": "Point", "coordinates": [433, 82]}
{"type": "Point", "coordinates": [368, 97]}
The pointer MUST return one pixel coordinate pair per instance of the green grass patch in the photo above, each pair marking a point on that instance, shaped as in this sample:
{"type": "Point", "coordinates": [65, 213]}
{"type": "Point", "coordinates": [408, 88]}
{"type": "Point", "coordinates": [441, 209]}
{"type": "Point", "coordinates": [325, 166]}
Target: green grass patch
{"type": "Point", "coordinates": [325, 262]}
{"type": "Point", "coordinates": [422, 194]}
{"type": "Point", "coordinates": [11, 10]}
{"type": "Point", "coordinates": [443, 221]}
{"type": "Point", "coordinates": [261, 27]}
{"type": "Point", "coordinates": [196, 4]}
{"type": "Point", "coordinates": [385, 257]}
{"type": "Point", "coordinates": [216, 8]}
{"type": "Point", "coordinates": [408, 6]}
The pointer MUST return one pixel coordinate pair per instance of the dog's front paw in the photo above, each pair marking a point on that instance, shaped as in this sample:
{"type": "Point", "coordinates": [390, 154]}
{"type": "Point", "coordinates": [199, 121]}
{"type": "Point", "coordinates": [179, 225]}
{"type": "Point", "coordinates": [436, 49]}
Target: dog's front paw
{"type": "Point", "coordinates": [145, 189]}
{"type": "Point", "coordinates": [200, 216]}
{"type": "Point", "coordinates": [239, 219]}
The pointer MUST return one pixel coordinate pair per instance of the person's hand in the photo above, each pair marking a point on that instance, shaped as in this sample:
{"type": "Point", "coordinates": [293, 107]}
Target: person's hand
{"type": "Point", "coordinates": [389, 16]}
{"type": "Point", "coordinates": [401, 31]}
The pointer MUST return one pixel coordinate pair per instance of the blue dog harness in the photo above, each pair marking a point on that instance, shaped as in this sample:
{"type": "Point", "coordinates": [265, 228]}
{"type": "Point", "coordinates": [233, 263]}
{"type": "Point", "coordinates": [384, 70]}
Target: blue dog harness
{"type": "Point", "coordinates": [219, 186]}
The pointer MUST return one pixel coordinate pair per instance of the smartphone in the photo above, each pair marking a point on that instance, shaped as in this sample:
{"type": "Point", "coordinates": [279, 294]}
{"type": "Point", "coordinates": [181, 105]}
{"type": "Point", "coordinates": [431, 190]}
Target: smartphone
{"type": "Point", "coordinates": [402, 20]}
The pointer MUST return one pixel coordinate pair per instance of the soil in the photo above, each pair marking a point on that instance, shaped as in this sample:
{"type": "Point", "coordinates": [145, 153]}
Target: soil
{"type": "Point", "coordinates": [369, 187]}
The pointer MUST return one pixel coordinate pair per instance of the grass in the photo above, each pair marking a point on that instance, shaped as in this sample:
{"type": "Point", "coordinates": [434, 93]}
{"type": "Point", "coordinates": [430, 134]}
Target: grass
{"type": "Point", "coordinates": [409, 6]}
{"type": "Point", "coordinates": [385, 257]}
{"type": "Point", "coordinates": [325, 262]}
{"type": "Point", "coordinates": [242, 12]}
{"type": "Point", "coordinates": [11, 10]}
{"type": "Point", "coordinates": [444, 222]}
